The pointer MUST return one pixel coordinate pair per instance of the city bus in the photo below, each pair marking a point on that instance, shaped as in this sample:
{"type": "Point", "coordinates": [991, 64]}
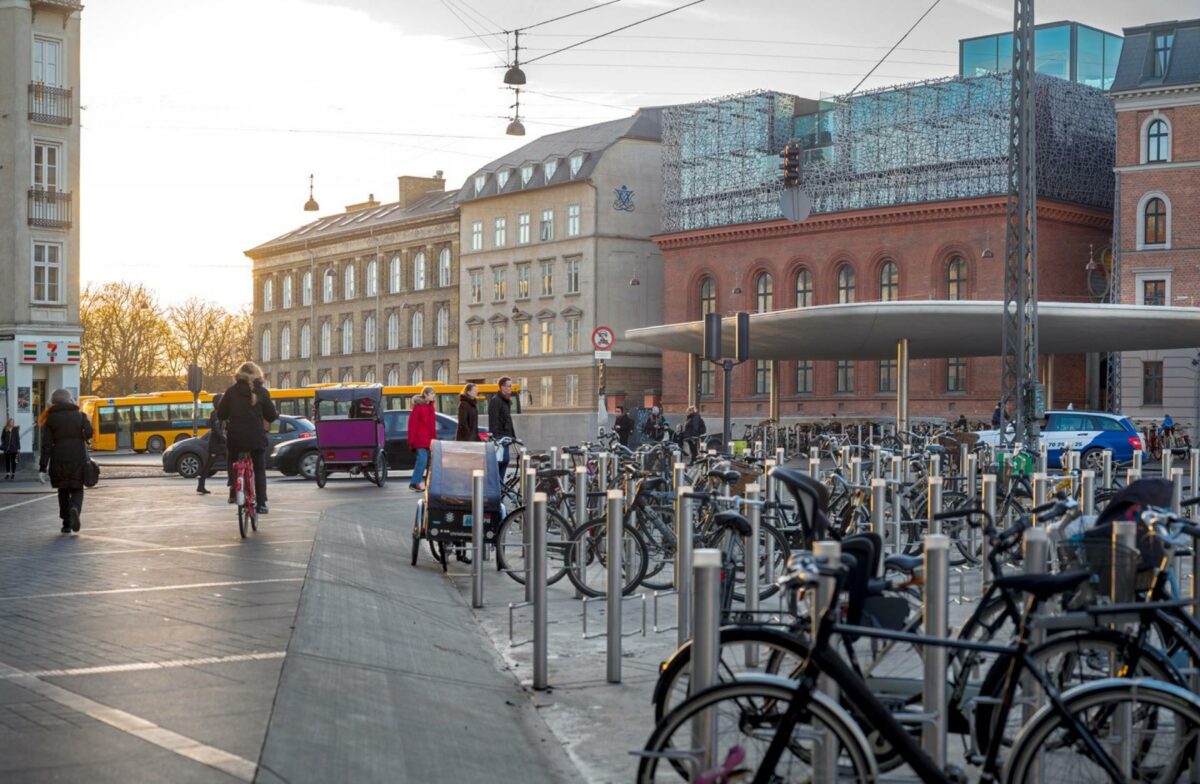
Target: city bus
{"type": "Point", "coordinates": [145, 422]}
{"type": "Point", "coordinates": [298, 402]}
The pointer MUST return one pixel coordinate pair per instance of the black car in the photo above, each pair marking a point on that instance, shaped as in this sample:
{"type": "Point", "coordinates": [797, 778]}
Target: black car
{"type": "Point", "coordinates": [187, 457]}
{"type": "Point", "coordinates": [300, 457]}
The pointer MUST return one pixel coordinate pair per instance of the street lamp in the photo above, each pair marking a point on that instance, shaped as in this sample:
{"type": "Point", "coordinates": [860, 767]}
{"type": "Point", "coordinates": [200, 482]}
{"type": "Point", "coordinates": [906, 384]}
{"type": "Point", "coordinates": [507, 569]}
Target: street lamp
{"type": "Point", "coordinates": [311, 205]}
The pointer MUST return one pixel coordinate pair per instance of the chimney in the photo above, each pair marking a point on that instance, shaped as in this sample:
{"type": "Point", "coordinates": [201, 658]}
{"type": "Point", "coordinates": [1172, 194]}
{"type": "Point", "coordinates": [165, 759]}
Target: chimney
{"type": "Point", "coordinates": [363, 205]}
{"type": "Point", "coordinates": [413, 188]}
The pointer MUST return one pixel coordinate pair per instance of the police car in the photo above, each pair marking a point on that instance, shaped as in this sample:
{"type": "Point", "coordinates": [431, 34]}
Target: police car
{"type": "Point", "coordinates": [1086, 432]}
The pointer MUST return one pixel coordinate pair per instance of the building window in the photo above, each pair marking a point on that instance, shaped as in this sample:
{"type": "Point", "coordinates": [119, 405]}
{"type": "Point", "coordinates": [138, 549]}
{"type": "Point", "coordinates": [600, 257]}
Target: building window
{"type": "Point", "coordinates": [498, 347]}
{"type": "Point", "coordinates": [804, 289]}
{"type": "Point", "coordinates": [416, 373]}
{"type": "Point", "coordinates": [444, 267]}
{"type": "Point", "coordinates": [348, 281]}
{"type": "Point", "coordinates": [441, 335]}
{"type": "Point", "coordinates": [546, 227]}
{"type": "Point", "coordinates": [845, 375]}
{"type": "Point", "coordinates": [887, 375]}
{"type": "Point", "coordinates": [330, 283]}
{"type": "Point", "coordinates": [572, 334]}
{"type": "Point", "coordinates": [576, 163]}
{"type": "Point", "coordinates": [284, 381]}
{"type": "Point", "coordinates": [265, 352]}
{"type": "Point", "coordinates": [477, 235]}
{"type": "Point", "coordinates": [326, 338]}
{"type": "Point", "coordinates": [476, 332]}
{"type": "Point", "coordinates": [804, 377]}
{"type": "Point", "coordinates": [1158, 139]}
{"type": "Point", "coordinates": [372, 278]}
{"type": "Point", "coordinates": [522, 281]}
{"type": "Point", "coordinates": [303, 379]}
{"type": "Point", "coordinates": [480, 181]}
{"type": "Point", "coordinates": [502, 178]}
{"type": "Point", "coordinates": [287, 291]}
{"type": "Point", "coordinates": [524, 391]}
{"type": "Point", "coordinates": [547, 399]}
{"type": "Point", "coordinates": [306, 292]}
{"type": "Point", "coordinates": [46, 158]}
{"type": "Point", "coordinates": [1160, 56]}
{"type": "Point", "coordinates": [547, 337]}
{"type": "Point", "coordinates": [441, 371]}
{"type": "Point", "coordinates": [369, 332]}
{"type": "Point", "coordinates": [47, 273]}
{"type": "Point", "coordinates": [523, 228]}
{"type": "Point", "coordinates": [417, 333]}
{"type": "Point", "coordinates": [889, 282]}
{"type": "Point", "coordinates": [419, 279]}
{"type": "Point", "coordinates": [325, 376]}
{"type": "Point", "coordinates": [395, 275]}
{"type": "Point", "coordinates": [547, 278]}
{"type": "Point", "coordinates": [526, 174]}
{"type": "Point", "coordinates": [393, 376]}
{"type": "Point", "coordinates": [305, 340]}
{"type": "Point", "coordinates": [956, 374]}
{"type": "Point", "coordinates": [499, 284]}
{"type": "Point", "coordinates": [268, 295]}
{"type": "Point", "coordinates": [501, 232]}
{"type": "Point", "coordinates": [476, 286]}
{"type": "Point", "coordinates": [1152, 383]}
{"type": "Point", "coordinates": [708, 297]}
{"type": "Point", "coordinates": [572, 276]}
{"type": "Point", "coordinates": [956, 279]}
{"type": "Point", "coordinates": [1155, 216]}
{"type": "Point", "coordinates": [46, 61]}
{"type": "Point", "coordinates": [348, 336]}
{"type": "Point", "coordinates": [708, 379]}
{"type": "Point", "coordinates": [572, 390]}
{"type": "Point", "coordinates": [549, 167]}
{"type": "Point", "coordinates": [762, 376]}
{"type": "Point", "coordinates": [1154, 292]}
{"type": "Point", "coordinates": [368, 375]}
{"type": "Point", "coordinates": [845, 285]}
{"type": "Point", "coordinates": [285, 342]}
{"type": "Point", "coordinates": [572, 220]}
{"type": "Point", "coordinates": [393, 332]}
{"type": "Point", "coordinates": [764, 292]}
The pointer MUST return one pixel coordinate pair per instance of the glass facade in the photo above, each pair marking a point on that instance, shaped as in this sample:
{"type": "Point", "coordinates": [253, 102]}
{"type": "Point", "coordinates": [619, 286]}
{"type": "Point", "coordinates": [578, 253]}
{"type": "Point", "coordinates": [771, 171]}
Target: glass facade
{"type": "Point", "coordinates": [1067, 50]}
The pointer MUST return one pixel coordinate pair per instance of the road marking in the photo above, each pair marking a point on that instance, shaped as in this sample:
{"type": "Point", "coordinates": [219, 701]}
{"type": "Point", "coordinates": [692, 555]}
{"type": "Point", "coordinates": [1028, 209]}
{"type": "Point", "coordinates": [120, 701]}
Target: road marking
{"type": "Point", "coordinates": [196, 550]}
{"type": "Point", "coordinates": [86, 553]}
{"type": "Point", "coordinates": [238, 767]}
{"type": "Point", "coordinates": [139, 666]}
{"type": "Point", "coordinates": [151, 588]}
{"type": "Point", "coordinates": [30, 501]}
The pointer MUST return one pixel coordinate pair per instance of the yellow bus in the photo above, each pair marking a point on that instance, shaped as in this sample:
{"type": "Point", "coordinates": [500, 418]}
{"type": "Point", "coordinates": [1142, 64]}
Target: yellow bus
{"type": "Point", "coordinates": [299, 402]}
{"type": "Point", "coordinates": [145, 422]}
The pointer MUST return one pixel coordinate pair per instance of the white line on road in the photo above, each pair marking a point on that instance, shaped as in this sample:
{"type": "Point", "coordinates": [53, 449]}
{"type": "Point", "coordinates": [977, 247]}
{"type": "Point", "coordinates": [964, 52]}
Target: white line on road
{"type": "Point", "coordinates": [193, 550]}
{"type": "Point", "coordinates": [30, 501]}
{"type": "Point", "coordinates": [151, 588]}
{"type": "Point", "coordinates": [185, 548]}
{"type": "Point", "coordinates": [139, 666]}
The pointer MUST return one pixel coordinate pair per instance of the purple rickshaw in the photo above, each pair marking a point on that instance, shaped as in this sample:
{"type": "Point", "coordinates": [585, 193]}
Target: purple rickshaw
{"type": "Point", "coordinates": [350, 432]}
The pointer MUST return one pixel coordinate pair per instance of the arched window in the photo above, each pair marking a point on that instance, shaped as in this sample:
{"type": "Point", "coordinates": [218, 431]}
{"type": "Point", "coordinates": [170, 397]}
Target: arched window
{"type": "Point", "coordinates": [285, 342]}
{"type": "Point", "coordinates": [395, 274]}
{"type": "Point", "coordinates": [347, 377]}
{"type": "Point", "coordinates": [1155, 214]}
{"type": "Point", "coordinates": [845, 285]}
{"type": "Point", "coordinates": [416, 375]}
{"type": "Point", "coordinates": [889, 282]}
{"type": "Point", "coordinates": [303, 379]}
{"type": "Point", "coordinates": [305, 341]}
{"type": "Point", "coordinates": [1158, 142]}
{"type": "Point", "coordinates": [348, 281]}
{"type": "Point", "coordinates": [265, 356]}
{"type": "Point", "coordinates": [268, 295]}
{"type": "Point", "coordinates": [419, 272]}
{"type": "Point", "coordinates": [444, 267]}
{"type": "Point", "coordinates": [442, 334]}
{"type": "Point", "coordinates": [804, 289]}
{"type": "Point", "coordinates": [417, 334]}
{"type": "Point", "coordinates": [306, 292]}
{"type": "Point", "coordinates": [369, 375]}
{"type": "Point", "coordinates": [441, 373]}
{"type": "Point", "coordinates": [329, 285]}
{"type": "Point", "coordinates": [369, 333]}
{"type": "Point", "coordinates": [325, 376]}
{"type": "Point", "coordinates": [372, 278]}
{"type": "Point", "coordinates": [764, 292]}
{"type": "Point", "coordinates": [393, 378]}
{"type": "Point", "coordinates": [287, 291]}
{"type": "Point", "coordinates": [393, 335]}
{"type": "Point", "coordinates": [326, 338]}
{"type": "Point", "coordinates": [347, 337]}
{"type": "Point", "coordinates": [956, 278]}
{"type": "Point", "coordinates": [708, 296]}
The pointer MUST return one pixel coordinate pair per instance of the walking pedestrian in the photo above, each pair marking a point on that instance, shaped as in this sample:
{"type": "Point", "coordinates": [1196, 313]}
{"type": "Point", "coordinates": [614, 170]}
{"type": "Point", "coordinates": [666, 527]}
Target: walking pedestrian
{"type": "Point", "coordinates": [247, 410]}
{"type": "Point", "coordinates": [422, 429]}
{"type": "Point", "coordinates": [500, 421]}
{"type": "Point", "coordinates": [10, 445]}
{"type": "Point", "coordinates": [65, 434]}
{"type": "Point", "coordinates": [694, 430]}
{"type": "Point", "coordinates": [655, 425]}
{"type": "Point", "coordinates": [996, 417]}
{"type": "Point", "coordinates": [623, 427]}
{"type": "Point", "coordinates": [216, 444]}
{"type": "Point", "coordinates": [468, 414]}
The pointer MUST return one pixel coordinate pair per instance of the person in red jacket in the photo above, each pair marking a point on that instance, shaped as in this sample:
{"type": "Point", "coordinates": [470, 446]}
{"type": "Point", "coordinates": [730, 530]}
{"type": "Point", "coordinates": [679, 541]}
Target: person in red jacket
{"type": "Point", "coordinates": [422, 429]}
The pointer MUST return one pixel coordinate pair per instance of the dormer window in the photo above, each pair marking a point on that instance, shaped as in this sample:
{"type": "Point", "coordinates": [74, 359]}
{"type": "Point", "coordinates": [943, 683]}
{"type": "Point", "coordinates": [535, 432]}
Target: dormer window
{"type": "Point", "coordinates": [549, 167]}
{"type": "Point", "coordinates": [1161, 54]}
{"type": "Point", "coordinates": [480, 181]}
{"type": "Point", "coordinates": [526, 174]}
{"type": "Point", "coordinates": [576, 164]}
{"type": "Point", "coordinates": [501, 179]}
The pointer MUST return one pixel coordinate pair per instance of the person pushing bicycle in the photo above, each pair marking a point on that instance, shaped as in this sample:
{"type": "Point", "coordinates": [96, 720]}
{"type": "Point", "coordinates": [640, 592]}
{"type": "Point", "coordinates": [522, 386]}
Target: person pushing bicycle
{"type": "Point", "coordinates": [248, 412]}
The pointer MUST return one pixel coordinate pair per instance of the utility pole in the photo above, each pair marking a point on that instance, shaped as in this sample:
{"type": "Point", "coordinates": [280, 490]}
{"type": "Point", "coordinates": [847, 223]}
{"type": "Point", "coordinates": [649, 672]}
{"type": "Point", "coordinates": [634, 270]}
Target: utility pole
{"type": "Point", "coordinates": [1020, 391]}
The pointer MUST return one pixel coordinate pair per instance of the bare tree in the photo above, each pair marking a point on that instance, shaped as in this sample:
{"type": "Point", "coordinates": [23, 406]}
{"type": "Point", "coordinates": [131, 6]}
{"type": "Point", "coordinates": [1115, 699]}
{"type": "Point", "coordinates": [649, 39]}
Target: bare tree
{"type": "Point", "coordinates": [125, 339]}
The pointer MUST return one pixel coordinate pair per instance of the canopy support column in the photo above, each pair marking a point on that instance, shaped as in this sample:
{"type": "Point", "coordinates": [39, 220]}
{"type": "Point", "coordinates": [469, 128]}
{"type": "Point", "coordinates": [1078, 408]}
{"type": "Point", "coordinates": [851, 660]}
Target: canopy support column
{"type": "Point", "coordinates": [901, 387]}
{"type": "Point", "coordinates": [773, 406]}
{"type": "Point", "coordinates": [1048, 381]}
{"type": "Point", "coordinates": [693, 380]}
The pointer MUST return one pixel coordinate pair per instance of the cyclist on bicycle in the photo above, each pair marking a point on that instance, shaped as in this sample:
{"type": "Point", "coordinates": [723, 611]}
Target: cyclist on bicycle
{"type": "Point", "coordinates": [248, 412]}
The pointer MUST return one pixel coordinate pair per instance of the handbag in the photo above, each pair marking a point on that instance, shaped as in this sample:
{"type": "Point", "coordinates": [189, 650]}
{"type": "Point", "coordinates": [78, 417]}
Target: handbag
{"type": "Point", "coordinates": [91, 472]}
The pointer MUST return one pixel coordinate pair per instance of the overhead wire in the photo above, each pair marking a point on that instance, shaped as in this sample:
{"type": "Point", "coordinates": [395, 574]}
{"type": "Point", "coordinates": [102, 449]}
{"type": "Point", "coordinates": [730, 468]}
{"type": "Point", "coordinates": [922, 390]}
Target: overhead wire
{"type": "Point", "coordinates": [889, 51]}
{"type": "Point", "coordinates": [466, 24]}
{"type": "Point", "coordinates": [616, 30]}
{"type": "Point", "coordinates": [564, 16]}
{"type": "Point", "coordinates": [741, 40]}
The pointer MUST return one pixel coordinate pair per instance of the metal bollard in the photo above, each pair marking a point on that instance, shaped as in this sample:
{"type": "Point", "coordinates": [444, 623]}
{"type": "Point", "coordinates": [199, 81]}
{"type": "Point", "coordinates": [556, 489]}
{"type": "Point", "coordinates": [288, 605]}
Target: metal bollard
{"type": "Point", "coordinates": [963, 451]}
{"type": "Point", "coordinates": [754, 516]}
{"type": "Point", "coordinates": [856, 470]}
{"type": "Point", "coordinates": [780, 455]}
{"type": "Point", "coordinates": [602, 472]}
{"type": "Point", "coordinates": [1087, 492]}
{"type": "Point", "coordinates": [935, 465]}
{"type": "Point", "coordinates": [1036, 555]}
{"type": "Point", "coordinates": [769, 543]}
{"type": "Point", "coordinates": [988, 493]}
{"type": "Point", "coordinates": [814, 467]}
{"type": "Point", "coordinates": [1041, 490]}
{"type": "Point", "coordinates": [706, 577]}
{"type": "Point", "coordinates": [678, 474]}
{"type": "Point", "coordinates": [1168, 462]}
{"type": "Point", "coordinates": [906, 454]}
{"type": "Point", "coordinates": [528, 488]}
{"type": "Point", "coordinates": [522, 467]}
{"type": "Point", "coordinates": [936, 621]}
{"type": "Point", "coordinates": [1125, 536]}
{"type": "Point", "coordinates": [1043, 457]}
{"type": "Point", "coordinates": [897, 500]}
{"type": "Point", "coordinates": [972, 477]}
{"type": "Point", "coordinates": [683, 564]}
{"type": "Point", "coordinates": [616, 582]}
{"type": "Point", "coordinates": [876, 456]}
{"type": "Point", "coordinates": [477, 523]}
{"type": "Point", "coordinates": [537, 576]}
{"type": "Point", "coordinates": [825, 752]}
{"type": "Point", "coordinates": [843, 457]}
{"type": "Point", "coordinates": [879, 514]}
{"type": "Point", "coordinates": [1132, 475]}
{"type": "Point", "coordinates": [935, 504]}
{"type": "Point", "coordinates": [553, 452]}
{"type": "Point", "coordinates": [1137, 460]}
{"type": "Point", "coordinates": [1106, 472]}
{"type": "Point", "coordinates": [581, 516]}
{"type": "Point", "coordinates": [1176, 477]}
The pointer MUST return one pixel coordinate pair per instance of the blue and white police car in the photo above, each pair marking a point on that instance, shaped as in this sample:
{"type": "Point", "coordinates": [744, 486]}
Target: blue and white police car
{"type": "Point", "coordinates": [1086, 432]}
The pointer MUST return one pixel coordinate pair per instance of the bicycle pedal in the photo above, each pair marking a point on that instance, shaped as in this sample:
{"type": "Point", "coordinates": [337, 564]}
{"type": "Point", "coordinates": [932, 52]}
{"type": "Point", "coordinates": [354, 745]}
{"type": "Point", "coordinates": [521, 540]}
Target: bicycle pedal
{"type": "Point", "coordinates": [956, 774]}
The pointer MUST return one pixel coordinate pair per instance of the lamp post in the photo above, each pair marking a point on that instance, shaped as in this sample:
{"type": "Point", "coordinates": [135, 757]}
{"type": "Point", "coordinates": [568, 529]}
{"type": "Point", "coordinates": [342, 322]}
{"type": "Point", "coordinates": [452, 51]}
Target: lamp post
{"type": "Point", "coordinates": [714, 353]}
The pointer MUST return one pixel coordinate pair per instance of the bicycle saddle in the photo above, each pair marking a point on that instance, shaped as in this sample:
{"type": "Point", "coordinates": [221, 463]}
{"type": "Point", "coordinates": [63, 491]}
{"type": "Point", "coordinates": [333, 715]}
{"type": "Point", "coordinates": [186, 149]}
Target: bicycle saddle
{"type": "Point", "coordinates": [552, 473]}
{"type": "Point", "coordinates": [729, 476]}
{"type": "Point", "coordinates": [1043, 586]}
{"type": "Point", "coordinates": [730, 520]}
{"type": "Point", "coordinates": [903, 563]}
{"type": "Point", "coordinates": [935, 449]}
{"type": "Point", "coordinates": [573, 450]}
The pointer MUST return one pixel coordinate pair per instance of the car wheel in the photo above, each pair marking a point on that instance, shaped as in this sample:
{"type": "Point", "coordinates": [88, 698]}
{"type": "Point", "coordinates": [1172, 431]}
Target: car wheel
{"type": "Point", "coordinates": [189, 466]}
{"type": "Point", "coordinates": [1092, 460]}
{"type": "Point", "coordinates": [156, 444]}
{"type": "Point", "coordinates": [181, 437]}
{"type": "Point", "coordinates": [308, 464]}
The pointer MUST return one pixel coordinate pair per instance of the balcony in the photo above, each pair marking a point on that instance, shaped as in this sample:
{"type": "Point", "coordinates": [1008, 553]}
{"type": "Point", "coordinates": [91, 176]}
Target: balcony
{"type": "Point", "coordinates": [49, 209]}
{"type": "Point", "coordinates": [48, 104]}
{"type": "Point", "coordinates": [69, 6]}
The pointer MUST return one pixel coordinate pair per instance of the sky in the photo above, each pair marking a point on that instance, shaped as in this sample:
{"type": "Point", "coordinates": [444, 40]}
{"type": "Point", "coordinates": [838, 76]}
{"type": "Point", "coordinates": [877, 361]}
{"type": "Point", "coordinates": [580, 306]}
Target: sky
{"type": "Point", "coordinates": [201, 122]}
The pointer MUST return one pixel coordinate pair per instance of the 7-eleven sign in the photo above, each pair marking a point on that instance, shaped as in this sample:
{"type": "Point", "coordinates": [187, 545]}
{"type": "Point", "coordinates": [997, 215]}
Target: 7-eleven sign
{"type": "Point", "coordinates": [50, 352]}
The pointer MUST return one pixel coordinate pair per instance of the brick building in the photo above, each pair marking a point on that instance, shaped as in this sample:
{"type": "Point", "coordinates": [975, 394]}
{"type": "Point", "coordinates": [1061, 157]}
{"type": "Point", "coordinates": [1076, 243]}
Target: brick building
{"type": "Point", "coordinates": [1156, 94]}
{"type": "Point", "coordinates": [370, 294]}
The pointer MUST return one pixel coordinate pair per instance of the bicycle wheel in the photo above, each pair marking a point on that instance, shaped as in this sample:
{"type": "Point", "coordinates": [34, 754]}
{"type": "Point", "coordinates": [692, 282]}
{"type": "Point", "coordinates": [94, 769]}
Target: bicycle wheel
{"type": "Point", "coordinates": [766, 587]}
{"type": "Point", "coordinates": [252, 513]}
{"type": "Point", "coordinates": [659, 537]}
{"type": "Point", "coordinates": [1161, 741]}
{"type": "Point", "coordinates": [321, 476]}
{"type": "Point", "coordinates": [587, 557]}
{"type": "Point", "coordinates": [242, 520]}
{"type": "Point", "coordinates": [510, 545]}
{"type": "Point", "coordinates": [746, 716]}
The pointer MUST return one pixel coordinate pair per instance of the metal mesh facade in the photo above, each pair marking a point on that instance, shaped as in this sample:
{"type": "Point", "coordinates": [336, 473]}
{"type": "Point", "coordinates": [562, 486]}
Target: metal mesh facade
{"type": "Point", "coordinates": [929, 141]}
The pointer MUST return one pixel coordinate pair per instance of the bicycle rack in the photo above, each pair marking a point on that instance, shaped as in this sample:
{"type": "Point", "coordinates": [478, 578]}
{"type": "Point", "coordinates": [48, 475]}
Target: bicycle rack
{"type": "Point", "coordinates": [512, 608]}
{"type": "Point", "coordinates": [584, 615]}
{"type": "Point", "coordinates": [654, 601]}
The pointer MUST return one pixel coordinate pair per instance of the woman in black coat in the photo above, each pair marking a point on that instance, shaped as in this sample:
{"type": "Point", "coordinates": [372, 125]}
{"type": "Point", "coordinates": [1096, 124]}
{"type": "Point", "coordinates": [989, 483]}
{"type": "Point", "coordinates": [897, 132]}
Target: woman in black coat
{"type": "Point", "coordinates": [216, 444]}
{"type": "Point", "coordinates": [10, 446]}
{"type": "Point", "coordinates": [247, 410]}
{"type": "Point", "coordinates": [468, 415]}
{"type": "Point", "coordinates": [64, 454]}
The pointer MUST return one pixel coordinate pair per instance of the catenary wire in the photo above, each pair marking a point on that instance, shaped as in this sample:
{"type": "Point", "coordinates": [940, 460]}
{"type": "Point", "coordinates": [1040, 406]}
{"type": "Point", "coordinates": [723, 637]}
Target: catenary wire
{"type": "Point", "coordinates": [616, 30]}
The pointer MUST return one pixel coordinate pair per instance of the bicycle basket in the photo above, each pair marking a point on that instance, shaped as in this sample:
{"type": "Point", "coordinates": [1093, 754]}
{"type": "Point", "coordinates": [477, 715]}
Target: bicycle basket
{"type": "Point", "coordinates": [1113, 567]}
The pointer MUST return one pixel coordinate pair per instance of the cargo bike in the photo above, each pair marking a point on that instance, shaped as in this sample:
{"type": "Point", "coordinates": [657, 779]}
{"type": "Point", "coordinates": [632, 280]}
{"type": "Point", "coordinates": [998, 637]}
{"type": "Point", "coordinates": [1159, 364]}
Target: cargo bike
{"type": "Point", "coordinates": [350, 433]}
{"type": "Point", "coordinates": [444, 517]}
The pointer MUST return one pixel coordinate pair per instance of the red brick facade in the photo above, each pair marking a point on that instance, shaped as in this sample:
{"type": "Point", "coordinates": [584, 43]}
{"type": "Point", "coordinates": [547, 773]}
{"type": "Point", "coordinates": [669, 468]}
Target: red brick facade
{"type": "Point", "coordinates": [922, 240]}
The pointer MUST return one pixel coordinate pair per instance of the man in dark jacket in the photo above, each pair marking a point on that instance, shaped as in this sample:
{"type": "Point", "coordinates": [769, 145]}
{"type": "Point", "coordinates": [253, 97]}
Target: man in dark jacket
{"type": "Point", "coordinates": [694, 430]}
{"type": "Point", "coordinates": [247, 410]}
{"type": "Point", "coordinates": [996, 417]}
{"type": "Point", "coordinates": [64, 453]}
{"type": "Point", "coordinates": [623, 427]}
{"type": "Point", "coordinates": [500, 422]}
{"type": "Point", "coordinates": [655, 426]}
{"type": "Point", "coordinates": [468, 415]}
{"type": "Point", "coordinates": [10, 447]}
{"type": "Point", "coordinates": [216, 444]}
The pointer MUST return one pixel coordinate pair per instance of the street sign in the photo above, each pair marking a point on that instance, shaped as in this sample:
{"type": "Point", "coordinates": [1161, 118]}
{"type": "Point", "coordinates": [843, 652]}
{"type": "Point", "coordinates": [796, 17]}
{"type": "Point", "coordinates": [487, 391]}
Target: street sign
{"type": "Point", "coordinates": [603, 355]}
{"type": "Point", "coordinates": [603, 338]}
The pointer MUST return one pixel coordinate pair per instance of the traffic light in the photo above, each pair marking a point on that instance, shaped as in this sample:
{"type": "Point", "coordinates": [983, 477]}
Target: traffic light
{"type": "Point", "coordinates": [791, 164]}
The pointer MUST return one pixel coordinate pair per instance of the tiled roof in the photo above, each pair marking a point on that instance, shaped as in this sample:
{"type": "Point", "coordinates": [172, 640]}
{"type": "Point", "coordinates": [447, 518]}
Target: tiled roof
{"type": "Point", "coordinates": [1183, 64]}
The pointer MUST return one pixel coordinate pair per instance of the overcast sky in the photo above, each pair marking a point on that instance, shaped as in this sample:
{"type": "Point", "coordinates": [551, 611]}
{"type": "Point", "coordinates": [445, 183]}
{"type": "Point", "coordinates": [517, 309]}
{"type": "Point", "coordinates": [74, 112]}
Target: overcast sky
{"type": "Point", "coordinates": [202, 121]}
